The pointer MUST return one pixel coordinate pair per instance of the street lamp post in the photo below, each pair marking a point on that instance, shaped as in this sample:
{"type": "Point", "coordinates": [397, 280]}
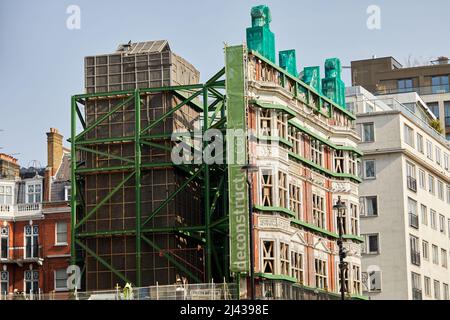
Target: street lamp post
{"type": "Point", "coordinates": [251, 168]}
{"type": "Point", "coordinates": [340, 209]}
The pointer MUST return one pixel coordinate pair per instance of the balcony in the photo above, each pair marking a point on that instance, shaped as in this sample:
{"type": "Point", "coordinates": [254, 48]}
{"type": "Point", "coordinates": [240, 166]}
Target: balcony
{"type": "Point", "coordinates": [21, 255]}
{"type": "Point", "coordinates": [415, 257]}
{"type": "Point", "coordinates": [416, 294]}
{"type": "Point", "coordinates": [412, 184]}
{"type": "Point", "coordinates": [426, 90]}
{"type": "Point", "coordinates": [22, 210]}
{"type": "Point", "coordinates": [413, 220]}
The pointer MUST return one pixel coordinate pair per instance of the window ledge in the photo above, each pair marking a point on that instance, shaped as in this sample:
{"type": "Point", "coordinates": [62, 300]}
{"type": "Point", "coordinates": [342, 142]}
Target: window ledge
{"type": "Point", "coordinates": [61, 244]}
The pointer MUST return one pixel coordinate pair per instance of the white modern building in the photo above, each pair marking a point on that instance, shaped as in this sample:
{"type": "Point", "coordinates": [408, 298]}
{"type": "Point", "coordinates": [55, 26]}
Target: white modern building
{"type": "Point", "coordinates": [404, 198]}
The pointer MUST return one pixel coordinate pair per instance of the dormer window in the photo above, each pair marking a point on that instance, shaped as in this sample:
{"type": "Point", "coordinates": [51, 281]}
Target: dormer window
{"type": "Point", "coordinates": [34, 192]}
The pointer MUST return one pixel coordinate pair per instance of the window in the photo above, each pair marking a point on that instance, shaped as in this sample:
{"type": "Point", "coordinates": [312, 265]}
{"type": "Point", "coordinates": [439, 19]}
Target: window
{"type": "Point", "coordinates": [339, 161]}
{"type": "Point", "coordinates": [356, 279]}
{"type": "Point", "coordinates": [319, 211]}
{"type": "Point", "coordinates": [295, 200]}
{"type": "Point", "coordinates": [67, 193]}
{"type": "Point", "coordinates": [321, 273]}
{"type": "Point", "coordinates": [408, 135]}
{"type": "Point", "coordinates": [346, 280]}
{"type": "Point", "coordinates": [352, 164]}
{"type": "Point", "coordinates": [34, 193]}
{"type": "Point", "coordinates": [429, 150]}
{"type": "Point", "coordinates": [415, 252]}
{"type": "Point", "coordinates": [282, 190]}
{"type": "Point", "coordinates": [6, 194]}
{"type": "Point", "coordinates": [354, 219]}
{"type": "Point", "coordinates": [447, 113]}
{"type": "Point", "coordinates": [4, 242]}
{"type": "Point", "coordinates": [368, 206]}
{"type": "Point", "coordinates": [448, 194]}
{"type": "Point", "coordinates": [437, 290]}
{"type": "Point", "coordinates": [61, 232]}
{"type": "Point", "coordinates": [444, 258]}
{"type": "Point", "coordinates": [405, 85]}
{"type": "Point", "coordinates": [434, 107]}
{"type": "Point", "coordinates": [60, 280]}
{"type": "Point", "coordinates": [268, 257]}
{"type": "Point", "coordinates": [446, 166]}
{"type": "Point", "coordinates": [422, 182]}
{"type": "Point", "coordinates": [267, 188]}
{"type": "Point", "coordinates": [284, 259]}
{"type": "Point", "coordinates": [416, 286]}
{"type": "Point", "coordinates": [433, 219]}
{"type": "Point", "coordinates": [419, 143]}
{"type": "Point", "coordinates": [4, 282]}
{"type": "Point", "coordinates": [317, 152]}
{"type": "Point", "coordinates": [265, 122]}
{"type": "Point", "coordinates": [295, 137]}
{"type": "Point", "coordinates": [439, 84]}
{"type": "Point", "coordinates": [424, 214]}
{"type": "Point", "coordinates": [438, 156]}
{"type": "Point", "coordinates": [435, 252]}
{"type": "Point", "coordinates": [368, 132]}
{"type": "Point", "coordinates": [31, 281]}
{"type": "Point", "coordinates": [442, 223]}
{"type": "Point", "coordinates": [411, 181]}
{"type": "Point", "coordinates": [372, 244]}
{"type": "Point", "coordinates": [31, 241]}
{"type": "Point", "coordinates": [448, 227]}
{"type": "Point", "coordinates": [425, 250]}
{"type": "Point", "coordinates": [369, 169]}
{"type": "Point", "coordinates": [412, 212]}
{"type": "Point", "coordinates": [445, 295]}
{"type": "Point", "coordinates": [427, 285]}
{"type": "Point", "coordinates": [431, 187]}
{"type": "Point", "coordinates": [440, 188]}
{"type": "Point", "coordinates": [297, 266]}
{"type": "Point", "coordinates": [281, 125]}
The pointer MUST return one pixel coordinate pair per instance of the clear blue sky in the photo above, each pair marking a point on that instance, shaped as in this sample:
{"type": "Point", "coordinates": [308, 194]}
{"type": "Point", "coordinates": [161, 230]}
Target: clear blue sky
{"type": "Point", "coordinates": [41, 61]}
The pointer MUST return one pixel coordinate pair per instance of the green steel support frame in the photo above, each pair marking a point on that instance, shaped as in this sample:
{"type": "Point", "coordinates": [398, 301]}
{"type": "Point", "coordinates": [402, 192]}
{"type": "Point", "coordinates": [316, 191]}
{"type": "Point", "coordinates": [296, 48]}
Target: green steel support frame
{"type": "Point", "coordinates": [214, 230]}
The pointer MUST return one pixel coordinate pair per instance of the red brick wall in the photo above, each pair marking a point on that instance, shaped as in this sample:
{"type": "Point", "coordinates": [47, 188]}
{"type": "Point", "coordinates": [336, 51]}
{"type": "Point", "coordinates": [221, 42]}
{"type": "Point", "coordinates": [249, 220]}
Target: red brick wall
{"type": "Point", "coordinates": [47, 234]}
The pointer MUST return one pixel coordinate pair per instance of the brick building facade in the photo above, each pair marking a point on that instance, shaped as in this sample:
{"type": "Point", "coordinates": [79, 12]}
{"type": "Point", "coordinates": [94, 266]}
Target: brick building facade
{"type": "Point", "coordinates": [35, 223]}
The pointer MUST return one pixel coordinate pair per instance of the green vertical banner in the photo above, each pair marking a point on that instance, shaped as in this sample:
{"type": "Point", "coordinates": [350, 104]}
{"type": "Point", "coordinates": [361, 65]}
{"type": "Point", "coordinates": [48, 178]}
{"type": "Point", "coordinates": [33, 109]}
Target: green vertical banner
{"type": "Point", "coordinates": [236, 158]}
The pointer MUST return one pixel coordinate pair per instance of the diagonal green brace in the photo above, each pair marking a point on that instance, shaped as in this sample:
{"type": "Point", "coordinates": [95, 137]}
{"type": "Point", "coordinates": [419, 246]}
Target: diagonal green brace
{"type": "Point", "coordinates": [101, 203]}
{"type": "Point", "coordinates": [103, 118]}
{"type": "Point", "coordinates": [171, 259]}
{"type": "Point", "coordinates": [171, 111]}
{"type": "Point", "coordinates": [103, 262]}
{"type": "Point", "coordinates": [170, 198]}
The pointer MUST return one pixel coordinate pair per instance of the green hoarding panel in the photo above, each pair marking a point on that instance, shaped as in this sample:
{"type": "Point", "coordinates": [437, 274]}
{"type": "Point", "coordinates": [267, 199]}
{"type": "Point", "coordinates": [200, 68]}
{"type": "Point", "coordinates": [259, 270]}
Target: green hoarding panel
{"type": "Point", "coordinates": [236, 158]}
{"type": "Point", "coordinates": [288, 61]}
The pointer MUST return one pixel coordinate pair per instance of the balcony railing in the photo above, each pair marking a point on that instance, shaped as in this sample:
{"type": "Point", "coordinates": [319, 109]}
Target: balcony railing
{"type": "Point", "coordinates": [414, 220]}
{"type": "Point", "coordinates": [416, 294]}
{"type": "Point", "coordinates": [25, 254]}
{"type": "Point", "coordinates": [22, 209]}
{"type": "Point", "coordinates": [415, 257]}
{"type": "Point", "coordinates": [426, 90]}
{"type": "Point", "coordinates": [412, 184]}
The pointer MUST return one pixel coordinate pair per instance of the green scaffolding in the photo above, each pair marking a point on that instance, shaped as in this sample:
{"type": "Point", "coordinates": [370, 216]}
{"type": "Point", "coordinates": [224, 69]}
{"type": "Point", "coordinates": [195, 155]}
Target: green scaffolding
{"type": "Point", "coordinates": [210, 235]}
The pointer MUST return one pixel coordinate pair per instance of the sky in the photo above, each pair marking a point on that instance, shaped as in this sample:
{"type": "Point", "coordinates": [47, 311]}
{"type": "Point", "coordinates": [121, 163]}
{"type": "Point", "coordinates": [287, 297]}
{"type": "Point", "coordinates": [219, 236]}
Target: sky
{"type": "Point", "coordinates": [41, 60]}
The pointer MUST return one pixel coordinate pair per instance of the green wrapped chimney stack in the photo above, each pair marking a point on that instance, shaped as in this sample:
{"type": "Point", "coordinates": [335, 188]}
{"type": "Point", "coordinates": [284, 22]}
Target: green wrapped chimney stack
{"type": "Point", "coordinates": [259, 36]}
